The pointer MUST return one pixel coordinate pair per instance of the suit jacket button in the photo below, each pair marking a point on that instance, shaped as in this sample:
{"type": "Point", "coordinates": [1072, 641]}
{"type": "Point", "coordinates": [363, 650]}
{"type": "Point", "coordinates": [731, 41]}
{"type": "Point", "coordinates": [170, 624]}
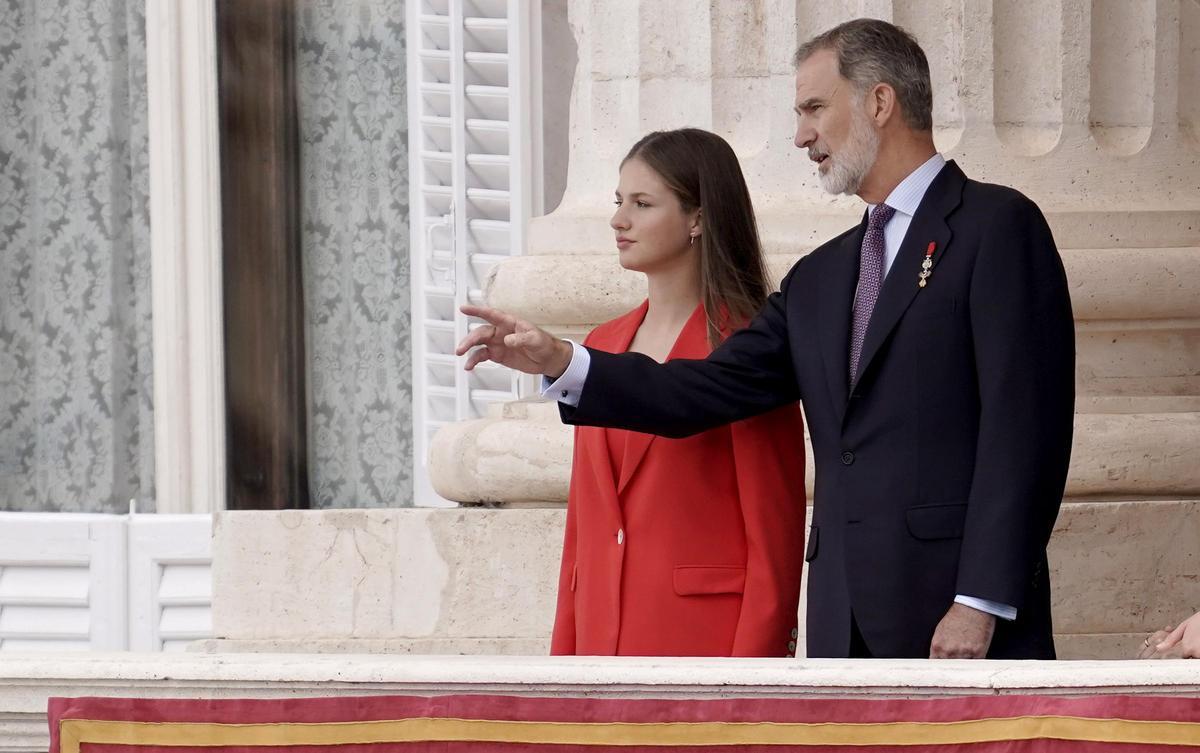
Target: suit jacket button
{"type": "Point", "coordinates": [621, 537]}
{"type": "Point", "coordinates": [847, 458]}
{"type": "Point", "coordinates": [795, 633]}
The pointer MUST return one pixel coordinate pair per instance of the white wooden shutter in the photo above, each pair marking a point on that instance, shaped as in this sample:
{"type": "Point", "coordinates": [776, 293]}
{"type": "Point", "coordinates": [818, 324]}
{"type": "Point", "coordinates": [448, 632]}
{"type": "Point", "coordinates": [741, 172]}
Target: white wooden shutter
{"type": "Point", "coordinates": [62, 582]}
{"type": "Point", "coordinates": [470, 151]}
{"type": "Point", "coordinates": [170, 581]}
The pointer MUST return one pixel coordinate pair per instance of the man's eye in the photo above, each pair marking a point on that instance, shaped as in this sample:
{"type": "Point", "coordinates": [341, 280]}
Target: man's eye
{"type": "Point", "coordinates": [617, 202]}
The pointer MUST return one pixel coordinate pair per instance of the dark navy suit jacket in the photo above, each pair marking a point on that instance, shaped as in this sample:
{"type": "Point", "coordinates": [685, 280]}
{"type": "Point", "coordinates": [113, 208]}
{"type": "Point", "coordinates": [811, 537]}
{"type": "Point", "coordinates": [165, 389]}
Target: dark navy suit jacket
{"type": "Point", "coordinates": [941, 471]}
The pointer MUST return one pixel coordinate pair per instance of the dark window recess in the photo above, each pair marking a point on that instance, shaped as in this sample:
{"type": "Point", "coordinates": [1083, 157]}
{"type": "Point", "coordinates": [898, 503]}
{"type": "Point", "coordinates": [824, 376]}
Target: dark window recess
{"type": "Point", "coordinates": [263, 287]}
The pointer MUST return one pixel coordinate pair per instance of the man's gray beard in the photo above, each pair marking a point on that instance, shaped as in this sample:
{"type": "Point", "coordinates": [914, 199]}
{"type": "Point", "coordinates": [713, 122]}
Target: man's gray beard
{"type": "Point", "coordinates": [855, 160]}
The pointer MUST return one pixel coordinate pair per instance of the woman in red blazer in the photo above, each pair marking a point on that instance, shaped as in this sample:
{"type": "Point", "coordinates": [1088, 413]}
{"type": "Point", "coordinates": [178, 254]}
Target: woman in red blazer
{"type": "Point", "coordinates": [684, 547]}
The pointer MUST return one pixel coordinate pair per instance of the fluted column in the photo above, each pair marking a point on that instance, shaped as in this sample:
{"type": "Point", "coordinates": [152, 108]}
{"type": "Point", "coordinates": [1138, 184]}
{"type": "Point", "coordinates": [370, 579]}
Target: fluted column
{"type": "Point", "coordinates": [1087, 106]}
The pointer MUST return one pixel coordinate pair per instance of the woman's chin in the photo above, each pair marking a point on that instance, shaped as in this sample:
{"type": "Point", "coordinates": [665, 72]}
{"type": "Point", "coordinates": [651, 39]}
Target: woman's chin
{"type": "Point", "coordinates": [628, 261]}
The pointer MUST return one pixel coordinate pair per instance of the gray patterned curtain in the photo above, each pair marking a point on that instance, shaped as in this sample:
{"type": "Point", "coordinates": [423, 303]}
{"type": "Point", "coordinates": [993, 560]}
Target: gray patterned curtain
{"type": "Point", "coordinates": [354, 163]}
{"type": "Point", "coordinates": [76, 420]}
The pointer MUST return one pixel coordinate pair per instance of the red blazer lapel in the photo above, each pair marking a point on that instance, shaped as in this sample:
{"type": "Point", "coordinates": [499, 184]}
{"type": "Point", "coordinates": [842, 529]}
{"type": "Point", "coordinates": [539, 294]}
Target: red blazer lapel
{"type": "Point", "coordinates": [614, 337]}
{"type": "Point", "coordinates": [691, 343]}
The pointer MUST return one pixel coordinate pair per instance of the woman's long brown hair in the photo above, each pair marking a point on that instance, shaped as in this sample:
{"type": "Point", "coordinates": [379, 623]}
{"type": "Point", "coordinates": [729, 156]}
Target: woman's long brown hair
{"type": "Point", "coordinates": [701, 170]}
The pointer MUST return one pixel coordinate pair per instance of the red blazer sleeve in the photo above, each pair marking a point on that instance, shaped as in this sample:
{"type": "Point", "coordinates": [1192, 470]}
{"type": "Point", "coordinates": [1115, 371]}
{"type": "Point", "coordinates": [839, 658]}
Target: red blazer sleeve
{"type": "Point", "coordinates": [768, 452]}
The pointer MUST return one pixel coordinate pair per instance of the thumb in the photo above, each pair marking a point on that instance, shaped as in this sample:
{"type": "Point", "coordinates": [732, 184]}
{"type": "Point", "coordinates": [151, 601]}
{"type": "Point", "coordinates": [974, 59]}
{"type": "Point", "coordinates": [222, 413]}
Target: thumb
{"type": "Point", "coordinates": [521, 339]}
{"type": "Point", "coordinates": [1175, 636]}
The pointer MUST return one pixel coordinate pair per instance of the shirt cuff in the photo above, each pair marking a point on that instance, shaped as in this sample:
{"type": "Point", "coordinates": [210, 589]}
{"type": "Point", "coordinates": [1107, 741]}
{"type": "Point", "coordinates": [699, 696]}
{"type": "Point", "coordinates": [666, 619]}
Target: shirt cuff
{"type": "Point", "coordinates": [567, 388]}
{"type": "Point", "coordinates": [1003, 611]}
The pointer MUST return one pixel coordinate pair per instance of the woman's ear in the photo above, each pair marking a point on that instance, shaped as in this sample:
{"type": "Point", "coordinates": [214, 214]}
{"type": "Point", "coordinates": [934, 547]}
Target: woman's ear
{"type": "Point", "coordinates": [696, 227]}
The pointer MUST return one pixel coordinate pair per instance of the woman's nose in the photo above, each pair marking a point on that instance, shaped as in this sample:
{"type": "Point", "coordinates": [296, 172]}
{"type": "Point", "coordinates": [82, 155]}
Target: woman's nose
{"type": "Point", "coordinates": [618, 222]}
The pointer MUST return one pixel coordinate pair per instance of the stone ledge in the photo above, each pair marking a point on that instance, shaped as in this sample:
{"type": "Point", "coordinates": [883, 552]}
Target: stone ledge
{"type": "Point", "coordinates": [279, 674]}
{"type": "Point", "coordinates": [1070, 646]}
{"type": "Point", "coordinates": [567, 290]}
{"type": "Point", "coordinates": [27, 681]}
{"type": "Point", "coordinates": [500, 646]}
{"type": "Point", "coordinates": [790, 225]}
{"type": "Point", "coordinates": [526, 457]}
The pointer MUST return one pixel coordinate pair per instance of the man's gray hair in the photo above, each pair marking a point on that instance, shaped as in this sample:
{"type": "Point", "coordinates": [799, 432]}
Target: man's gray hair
{"type": "Point", "coordinates": [871, 52]}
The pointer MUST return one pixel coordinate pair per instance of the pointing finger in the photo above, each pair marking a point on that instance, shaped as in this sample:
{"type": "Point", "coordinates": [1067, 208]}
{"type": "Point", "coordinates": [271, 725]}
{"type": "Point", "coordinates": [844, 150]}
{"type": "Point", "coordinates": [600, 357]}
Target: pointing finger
{"type": "Point", "coordinates": [491, 315]}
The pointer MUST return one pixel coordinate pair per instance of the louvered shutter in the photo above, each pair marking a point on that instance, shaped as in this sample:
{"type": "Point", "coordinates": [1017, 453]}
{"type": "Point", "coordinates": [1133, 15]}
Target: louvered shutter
{"type": "Point", "coordinates": [62, 582]}
{"type": "Point", "coordinates": [170, 581]}
{"type": "Point", "coordinates": [471, 143]}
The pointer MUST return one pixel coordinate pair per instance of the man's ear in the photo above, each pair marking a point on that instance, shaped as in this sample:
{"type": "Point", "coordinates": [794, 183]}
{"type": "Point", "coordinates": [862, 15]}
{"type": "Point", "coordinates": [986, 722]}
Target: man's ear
{"type": "Point", "coordinates": [882, 105]}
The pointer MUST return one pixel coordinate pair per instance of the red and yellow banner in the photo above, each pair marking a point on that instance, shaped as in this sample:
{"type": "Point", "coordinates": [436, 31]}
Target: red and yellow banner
{"type": "Point", "coordinates": [474, 723]}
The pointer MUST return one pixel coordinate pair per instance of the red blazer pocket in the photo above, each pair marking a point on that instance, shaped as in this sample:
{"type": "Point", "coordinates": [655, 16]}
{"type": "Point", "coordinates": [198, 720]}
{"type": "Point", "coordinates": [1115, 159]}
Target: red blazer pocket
{"type": "Point", "coordinates": [693, 580]}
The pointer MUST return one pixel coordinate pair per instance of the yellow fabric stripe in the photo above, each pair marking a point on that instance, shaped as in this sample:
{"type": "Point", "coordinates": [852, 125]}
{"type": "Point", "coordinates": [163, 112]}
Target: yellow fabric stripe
{"type": "Point", "coordinates": [73, 732]}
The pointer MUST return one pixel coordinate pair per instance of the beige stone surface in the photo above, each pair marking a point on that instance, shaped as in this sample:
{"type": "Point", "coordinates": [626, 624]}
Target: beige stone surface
{"type": "Point", "coordinates": [1092, 646]}
{"type": "Point", "coordinates": [1118, 569]}
{"type": "Point", "coordinates": [1136, 454]}
{"type": "Point", "coordinates": [390, 646]}
{"type": "Point", "coordinates": [1121, 284]}
{"type": "Point", "coordinates": [528, 459]}
{"type": "Point", "coordinates": [429, 574]}
{"type": "Point", "coordinates": [524, 456]}
{"type": "Point", "coordinates": [1125, 567]}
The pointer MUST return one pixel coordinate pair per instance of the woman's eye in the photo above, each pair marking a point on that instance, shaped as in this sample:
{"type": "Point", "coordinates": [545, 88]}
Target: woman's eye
{"type": "Point", "coordinates": [642, 205]}
{"type": "Point", "coordinates": [617, 202]}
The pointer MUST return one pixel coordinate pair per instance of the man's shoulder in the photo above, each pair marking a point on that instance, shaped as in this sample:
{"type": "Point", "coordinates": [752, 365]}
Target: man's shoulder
{"type": "Point", "coordinates": [978, 196]}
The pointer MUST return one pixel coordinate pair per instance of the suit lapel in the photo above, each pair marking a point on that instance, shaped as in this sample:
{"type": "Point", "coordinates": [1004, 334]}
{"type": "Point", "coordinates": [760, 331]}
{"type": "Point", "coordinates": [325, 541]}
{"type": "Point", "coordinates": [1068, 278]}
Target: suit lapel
{"type": "Point", "coordinates": [692, 342]}
{"type": "Point", "coordinates": [900, 286]}
{"type": "Point", "coordinates": [837, 297]}
{"type": "Point", "coordinates": [615, 338]}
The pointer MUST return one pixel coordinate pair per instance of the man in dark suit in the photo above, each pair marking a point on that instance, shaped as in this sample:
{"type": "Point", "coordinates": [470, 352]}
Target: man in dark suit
{"type": "Point", "coordinates": [932, 347]}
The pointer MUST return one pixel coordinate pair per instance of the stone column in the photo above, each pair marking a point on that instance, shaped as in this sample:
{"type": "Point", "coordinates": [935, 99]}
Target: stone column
{"type": "Point", "coordinates": [1081, 104]}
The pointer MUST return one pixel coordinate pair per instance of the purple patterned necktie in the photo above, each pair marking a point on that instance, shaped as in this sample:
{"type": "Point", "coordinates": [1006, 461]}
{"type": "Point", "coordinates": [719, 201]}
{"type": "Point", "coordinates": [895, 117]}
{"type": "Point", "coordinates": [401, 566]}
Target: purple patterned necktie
{"type": "Point", "coordinates": [870, 279]}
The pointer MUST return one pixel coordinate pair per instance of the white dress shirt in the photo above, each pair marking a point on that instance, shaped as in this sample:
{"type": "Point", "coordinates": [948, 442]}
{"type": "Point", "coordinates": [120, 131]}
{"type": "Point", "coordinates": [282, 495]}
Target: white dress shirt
{"type": "Point", "coordinates": [904, 198]}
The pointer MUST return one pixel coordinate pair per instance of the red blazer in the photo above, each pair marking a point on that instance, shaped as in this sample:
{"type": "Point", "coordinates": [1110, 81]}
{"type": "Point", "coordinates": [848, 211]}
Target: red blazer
{"type": "Point", "coordinates": [691, 547]}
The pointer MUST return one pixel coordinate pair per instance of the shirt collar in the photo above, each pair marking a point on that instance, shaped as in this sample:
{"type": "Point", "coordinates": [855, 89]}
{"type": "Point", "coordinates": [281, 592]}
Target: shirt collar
{"type": "Point", "coordinates": [906, 197]}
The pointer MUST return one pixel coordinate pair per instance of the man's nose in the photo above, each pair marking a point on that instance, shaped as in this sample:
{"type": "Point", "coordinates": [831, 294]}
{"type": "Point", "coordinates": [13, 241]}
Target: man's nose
{"type": "Point", "coordinates": [805, 136]}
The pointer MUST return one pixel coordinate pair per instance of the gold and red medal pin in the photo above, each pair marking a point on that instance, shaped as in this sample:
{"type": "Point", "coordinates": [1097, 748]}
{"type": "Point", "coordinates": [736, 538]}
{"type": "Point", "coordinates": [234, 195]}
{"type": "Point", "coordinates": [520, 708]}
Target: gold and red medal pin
{"type": "Point", "coordinates": [927, 265]}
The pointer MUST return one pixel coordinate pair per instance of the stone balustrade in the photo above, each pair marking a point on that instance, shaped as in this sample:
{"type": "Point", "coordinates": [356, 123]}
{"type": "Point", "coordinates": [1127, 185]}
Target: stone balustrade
{"type": "Point", "coordinates": [28, 680]}
{"type": "Point", "coordinates": [483, 581]}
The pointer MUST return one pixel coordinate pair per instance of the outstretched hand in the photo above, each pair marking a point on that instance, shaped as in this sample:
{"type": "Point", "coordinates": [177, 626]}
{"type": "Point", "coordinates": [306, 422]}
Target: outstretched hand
{"type": "Point", "coordinates": [514, 343]}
